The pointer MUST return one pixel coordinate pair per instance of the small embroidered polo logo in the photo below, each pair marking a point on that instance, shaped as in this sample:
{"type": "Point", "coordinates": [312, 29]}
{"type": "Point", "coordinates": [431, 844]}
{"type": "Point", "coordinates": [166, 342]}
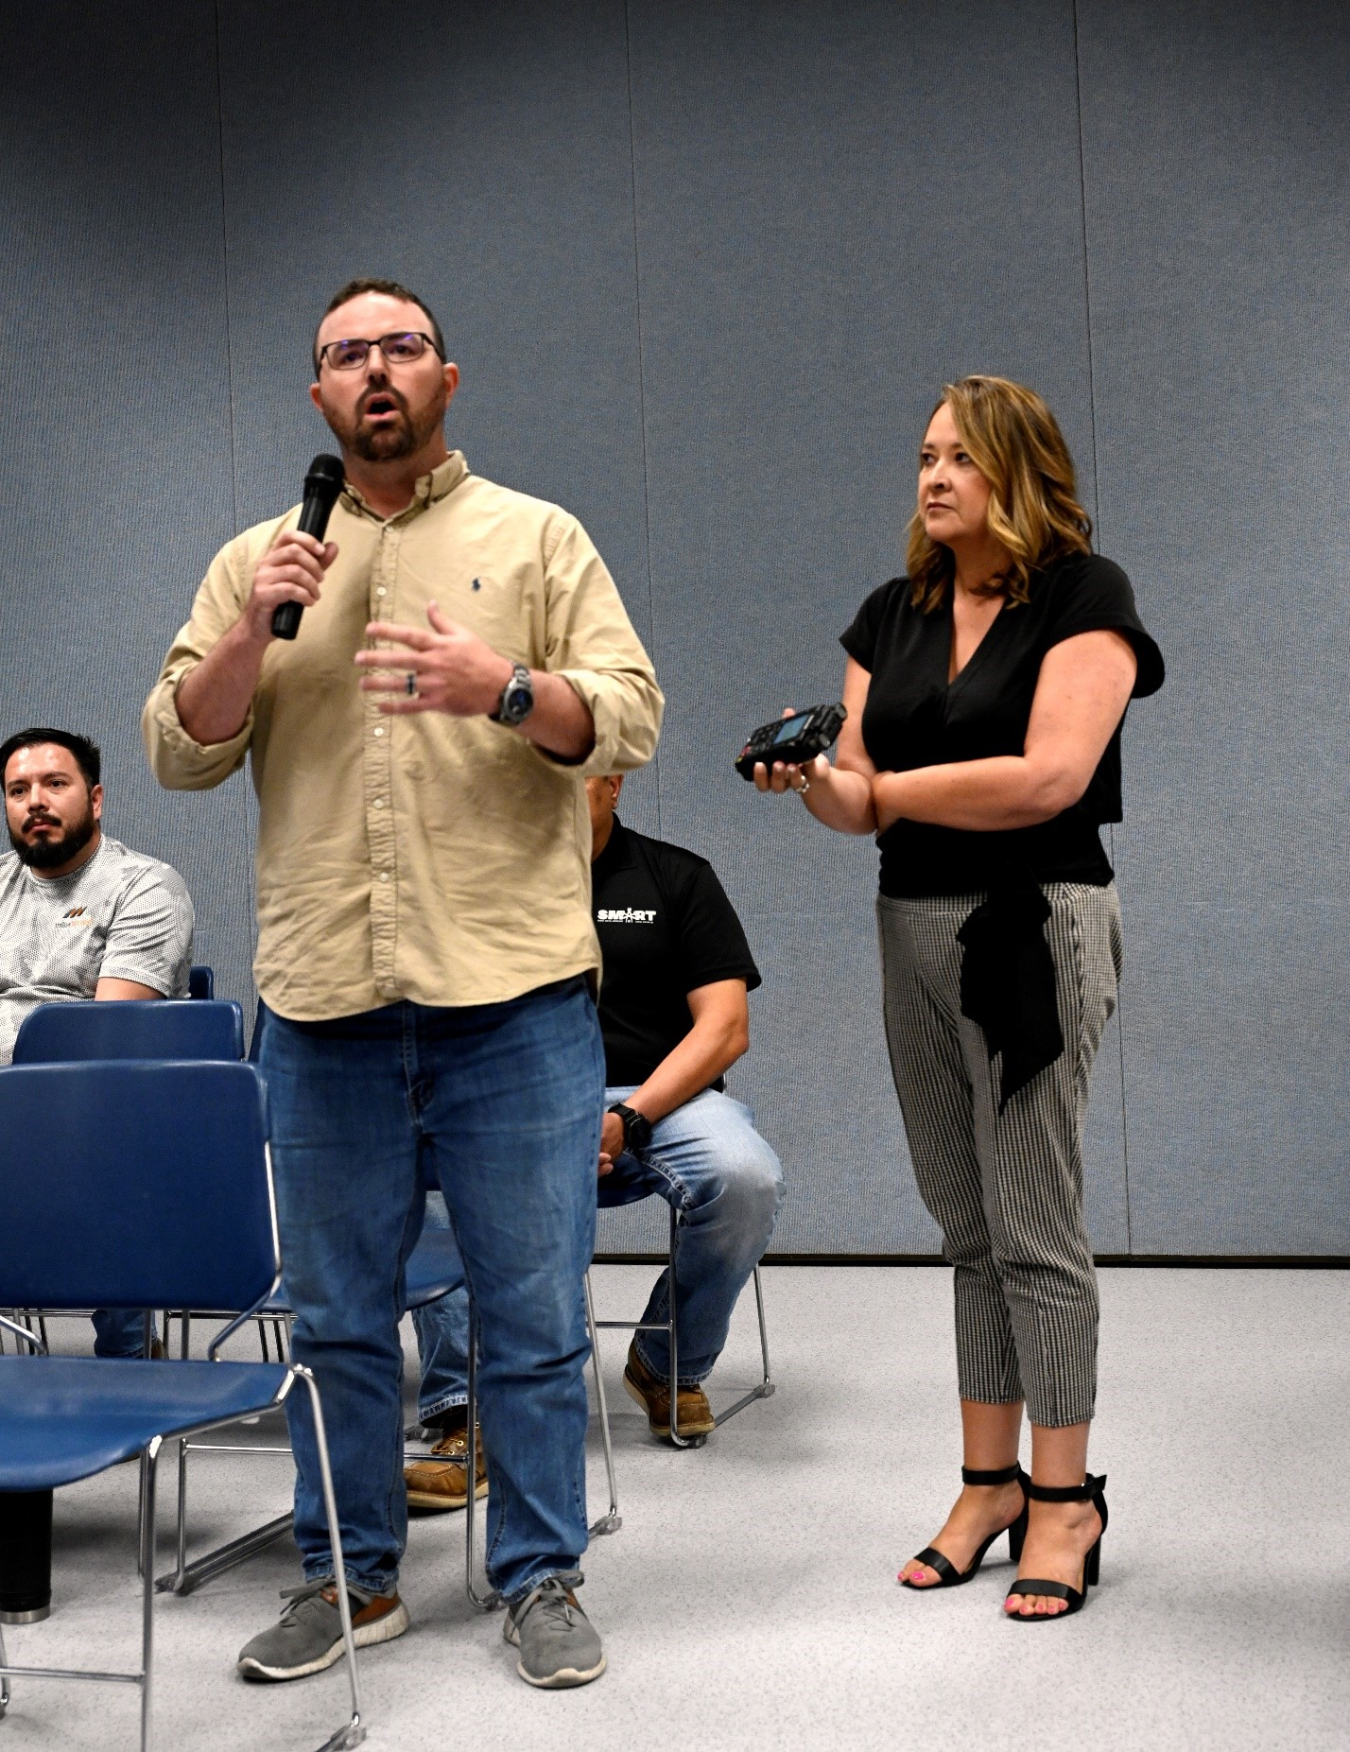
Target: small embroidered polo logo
{"type": "Point", "coordinates": [625, 915]}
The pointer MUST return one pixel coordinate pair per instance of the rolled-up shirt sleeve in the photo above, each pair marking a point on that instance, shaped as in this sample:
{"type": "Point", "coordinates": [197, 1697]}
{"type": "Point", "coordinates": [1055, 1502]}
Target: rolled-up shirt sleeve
{"type": "Point", "coordinates": [179, 763]}
{"type": "Point", "coordinates": [591, 644]}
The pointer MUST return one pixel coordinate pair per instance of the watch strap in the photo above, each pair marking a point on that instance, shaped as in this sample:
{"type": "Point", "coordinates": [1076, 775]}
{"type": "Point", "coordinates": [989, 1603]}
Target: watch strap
{"type": "Point", "coordinates": [637, 1128]}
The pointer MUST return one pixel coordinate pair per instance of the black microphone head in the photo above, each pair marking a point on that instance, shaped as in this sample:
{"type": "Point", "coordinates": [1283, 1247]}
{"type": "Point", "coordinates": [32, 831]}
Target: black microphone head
{"type": "Point", "coordinates": [326, 478]}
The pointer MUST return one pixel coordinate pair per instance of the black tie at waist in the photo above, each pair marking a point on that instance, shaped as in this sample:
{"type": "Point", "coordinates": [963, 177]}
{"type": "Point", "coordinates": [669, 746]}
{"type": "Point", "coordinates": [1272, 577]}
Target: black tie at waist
{"type": "Point", "coordinates": [1008, 980]}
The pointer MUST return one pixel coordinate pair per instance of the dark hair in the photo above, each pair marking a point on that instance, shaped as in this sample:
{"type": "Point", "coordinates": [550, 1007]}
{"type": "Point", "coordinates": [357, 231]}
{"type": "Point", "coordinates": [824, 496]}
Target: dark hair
{"type": "Point", "coordinates": [86, 753]}
{"type": "Point", "coordinates": [389, 289]}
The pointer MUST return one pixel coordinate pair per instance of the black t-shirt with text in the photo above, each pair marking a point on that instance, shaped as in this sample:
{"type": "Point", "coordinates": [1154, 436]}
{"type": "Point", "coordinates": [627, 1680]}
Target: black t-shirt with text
{"type": "Point", "coordinates": [666, 928]}
{"type": "Point", "coordinates": [915, 717]}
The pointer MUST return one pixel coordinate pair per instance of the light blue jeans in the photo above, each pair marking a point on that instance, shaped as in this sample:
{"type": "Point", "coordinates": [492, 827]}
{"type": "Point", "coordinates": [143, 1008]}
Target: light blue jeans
{"type": "Point", "coordinates": [708, 1161]}
{"type": "Point", "coordinates": [499, 1105]}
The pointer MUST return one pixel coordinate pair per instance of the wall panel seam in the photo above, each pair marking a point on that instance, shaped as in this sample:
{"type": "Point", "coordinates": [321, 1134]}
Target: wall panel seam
{"type": "Point", "coordinates": [225, 271]}
{"type": "Point", "coordinates": [642, 374]}
{"type": "Point", "coordinates": [1096, 523]}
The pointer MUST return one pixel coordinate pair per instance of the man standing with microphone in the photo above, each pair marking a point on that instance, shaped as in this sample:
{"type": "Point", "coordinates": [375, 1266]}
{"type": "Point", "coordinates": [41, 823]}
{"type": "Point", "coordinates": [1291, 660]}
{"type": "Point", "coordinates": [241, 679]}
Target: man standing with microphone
{"type": "Point", "coordinates": [425, 952]}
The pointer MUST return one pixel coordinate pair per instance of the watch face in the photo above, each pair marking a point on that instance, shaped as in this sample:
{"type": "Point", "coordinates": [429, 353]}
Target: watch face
{"type": "Point", "coordinates": [517, 702]}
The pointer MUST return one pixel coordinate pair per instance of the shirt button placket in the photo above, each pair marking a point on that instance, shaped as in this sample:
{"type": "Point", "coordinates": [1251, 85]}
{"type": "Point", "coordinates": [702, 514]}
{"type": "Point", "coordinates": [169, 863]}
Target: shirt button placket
{"type": "Point", "coordinates": [380, 833]}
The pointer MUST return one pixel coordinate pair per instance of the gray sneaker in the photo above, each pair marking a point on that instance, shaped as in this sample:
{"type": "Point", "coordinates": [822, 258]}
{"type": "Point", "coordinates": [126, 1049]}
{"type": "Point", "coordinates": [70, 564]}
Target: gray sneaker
{"type": "Point", "coordinates": [557, 1642]}
{"type": "Point", "coordinates": [309, 1635]}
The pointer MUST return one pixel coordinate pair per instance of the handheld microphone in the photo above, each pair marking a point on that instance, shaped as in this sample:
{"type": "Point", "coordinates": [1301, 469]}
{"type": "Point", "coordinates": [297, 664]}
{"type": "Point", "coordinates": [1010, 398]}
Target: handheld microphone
{"type": "Point", "coordinates": [323, 483]}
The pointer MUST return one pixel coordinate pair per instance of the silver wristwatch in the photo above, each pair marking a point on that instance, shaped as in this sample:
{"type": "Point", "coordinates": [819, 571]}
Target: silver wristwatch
{"type": "Point", "coordinates": [517, 701]}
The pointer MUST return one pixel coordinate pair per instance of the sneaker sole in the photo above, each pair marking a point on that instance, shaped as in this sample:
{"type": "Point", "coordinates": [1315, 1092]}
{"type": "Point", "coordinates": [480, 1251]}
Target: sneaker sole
{"type": "Point", "coordinates": [383, 1630]}
{"type": "Point", "coordinates": [564, 1679]}
{"type": "Point", "coordinates": [704, 1427]}
{"type": "Point", "coordinates": [435, 1503]}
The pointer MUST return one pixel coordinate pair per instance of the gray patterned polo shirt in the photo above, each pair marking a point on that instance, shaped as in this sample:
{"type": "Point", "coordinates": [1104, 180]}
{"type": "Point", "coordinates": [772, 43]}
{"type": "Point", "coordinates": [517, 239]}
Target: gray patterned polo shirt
{"type": "Point", "coordinates": [120, 916]}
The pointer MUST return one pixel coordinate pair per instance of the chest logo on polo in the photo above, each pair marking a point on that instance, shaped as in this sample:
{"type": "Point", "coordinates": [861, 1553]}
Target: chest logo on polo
{"type": "Point", "coordinates": [78, 915]}
{"type": "Point", "coordinates": [625, 915]}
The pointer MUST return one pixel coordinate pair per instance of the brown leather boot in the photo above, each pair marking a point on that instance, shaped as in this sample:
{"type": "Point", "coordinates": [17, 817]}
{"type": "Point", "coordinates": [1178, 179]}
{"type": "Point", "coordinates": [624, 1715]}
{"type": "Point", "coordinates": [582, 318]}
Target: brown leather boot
{"type": "Point", "coordinates": [693, 1414]}
{"type": "Point", "coordinates": [439, 1483]}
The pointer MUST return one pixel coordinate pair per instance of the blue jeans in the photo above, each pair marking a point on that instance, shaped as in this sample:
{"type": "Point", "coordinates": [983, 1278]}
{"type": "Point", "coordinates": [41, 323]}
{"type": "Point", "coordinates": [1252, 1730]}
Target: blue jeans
{"type": "Point", "coordinates": [499, 1105]}
{"type": "Point", "coordinates": [120, 1332]}
{"type": "Point", "coordinates": [708, 1161]}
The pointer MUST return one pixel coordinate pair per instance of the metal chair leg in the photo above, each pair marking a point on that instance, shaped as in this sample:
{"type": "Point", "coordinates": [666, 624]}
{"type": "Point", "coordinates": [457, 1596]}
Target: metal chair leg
{"type": "Point", "coordinates": [492, 1600]}
{"type": "Point", "coordinates": [4, 1678]}
{"type": "Point", "coordinates": [765, 1388]}
{"type": "Point", "coordinates": [611, 1522]}
{"type": "Point", "coordinates": [150, 1464]}
{"type": "Point", "coordinates": [354, 1732]}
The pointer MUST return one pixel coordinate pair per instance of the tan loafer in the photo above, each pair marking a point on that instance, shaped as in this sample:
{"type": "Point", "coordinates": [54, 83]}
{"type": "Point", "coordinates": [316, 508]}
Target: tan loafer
{"type": "Point", "coordinates": [440, 1482]}
{"type": "Point", "coordinates": [693, 1414]}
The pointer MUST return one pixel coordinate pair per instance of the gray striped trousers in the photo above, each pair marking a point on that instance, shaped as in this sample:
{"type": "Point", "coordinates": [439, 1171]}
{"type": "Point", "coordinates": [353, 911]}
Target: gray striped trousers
{"type": "Point", "coordinates": [1006, 1189]}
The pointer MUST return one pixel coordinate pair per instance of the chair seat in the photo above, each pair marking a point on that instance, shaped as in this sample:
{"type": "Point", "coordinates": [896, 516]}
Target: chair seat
{"type": "Point", "coordinates": [65, 1418]}
{"type": "Point", "coordinates": [433, 1271]}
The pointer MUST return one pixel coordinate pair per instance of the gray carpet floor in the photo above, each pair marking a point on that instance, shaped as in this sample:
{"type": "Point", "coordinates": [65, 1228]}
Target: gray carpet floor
{"type": "Point", "coordinates": [749, 1599]}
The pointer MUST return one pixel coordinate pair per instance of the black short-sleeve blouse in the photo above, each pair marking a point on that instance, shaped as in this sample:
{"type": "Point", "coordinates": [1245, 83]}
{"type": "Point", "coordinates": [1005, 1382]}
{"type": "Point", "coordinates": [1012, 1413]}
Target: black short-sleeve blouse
{"type": "Point", "coordinates": [915, 718]}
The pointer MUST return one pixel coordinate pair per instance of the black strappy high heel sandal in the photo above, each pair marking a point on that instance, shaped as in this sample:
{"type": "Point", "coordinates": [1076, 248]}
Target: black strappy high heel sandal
{"type": "Point", "coordinates": [948, 1575]}
{"type": "Point", "coordinates": [1089, 1491]}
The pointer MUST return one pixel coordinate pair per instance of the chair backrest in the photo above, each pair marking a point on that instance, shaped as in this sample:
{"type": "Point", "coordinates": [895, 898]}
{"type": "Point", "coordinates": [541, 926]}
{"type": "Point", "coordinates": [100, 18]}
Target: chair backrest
{"type": "Point", "coordinates": [128, 1184]}
{"type": "Point", "coordinates": [160, 1028]}
{"type": "Point", "coordinates": [201, 982]}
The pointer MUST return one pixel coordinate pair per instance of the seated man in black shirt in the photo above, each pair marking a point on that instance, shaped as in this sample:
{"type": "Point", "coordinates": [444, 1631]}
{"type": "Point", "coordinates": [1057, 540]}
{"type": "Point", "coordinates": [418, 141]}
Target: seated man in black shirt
{"type": "Point", "coordinates": [674, 1016]}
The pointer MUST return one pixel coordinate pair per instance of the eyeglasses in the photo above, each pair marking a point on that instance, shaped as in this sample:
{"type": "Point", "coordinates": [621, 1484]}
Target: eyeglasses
{"type": "Point", "coordinates": [397, 349]}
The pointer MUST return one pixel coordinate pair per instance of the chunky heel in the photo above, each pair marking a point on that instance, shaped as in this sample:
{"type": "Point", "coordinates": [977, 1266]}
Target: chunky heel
{"type": "Point", "coordinates": [947, 1573]}
{"type": "Point", "coordinates": [1017, 1536]}
{"type": "Point", "coordinates": [1092, 1490]}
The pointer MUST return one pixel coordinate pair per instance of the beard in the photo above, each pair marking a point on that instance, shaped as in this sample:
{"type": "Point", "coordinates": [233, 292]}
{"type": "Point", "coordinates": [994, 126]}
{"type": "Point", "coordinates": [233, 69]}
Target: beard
{"type": "Point", "coordinates": [50, 854]}
{"type": "Point", "coordinates": [404, 436]}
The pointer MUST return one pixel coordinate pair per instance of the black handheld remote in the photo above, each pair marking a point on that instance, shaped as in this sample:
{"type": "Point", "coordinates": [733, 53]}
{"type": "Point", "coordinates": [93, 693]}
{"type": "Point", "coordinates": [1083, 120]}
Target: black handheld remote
{"type": "Point", "coordinates": [794, 740]}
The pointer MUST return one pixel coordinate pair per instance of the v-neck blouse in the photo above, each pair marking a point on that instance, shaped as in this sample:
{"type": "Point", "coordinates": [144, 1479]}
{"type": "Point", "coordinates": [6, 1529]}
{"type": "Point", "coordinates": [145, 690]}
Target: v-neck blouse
{"type": "Point", "coordinates": [915, 717]}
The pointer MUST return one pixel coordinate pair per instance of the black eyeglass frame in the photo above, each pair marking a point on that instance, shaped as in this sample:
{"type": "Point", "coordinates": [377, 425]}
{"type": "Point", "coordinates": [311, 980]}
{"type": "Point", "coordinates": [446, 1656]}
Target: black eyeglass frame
{"type": "Point", "coordinates": [354, 340]}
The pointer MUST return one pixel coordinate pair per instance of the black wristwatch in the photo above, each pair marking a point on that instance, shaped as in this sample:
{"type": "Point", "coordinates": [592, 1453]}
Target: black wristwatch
{"type": "Point", "coordinates": [637, 1128]}
{"type": "Point", "coordinates": [517, 701]}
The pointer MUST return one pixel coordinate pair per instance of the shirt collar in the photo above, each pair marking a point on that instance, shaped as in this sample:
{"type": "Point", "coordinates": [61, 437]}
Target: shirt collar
{"type": "Point", "coordinates": [441, 482]}
{"type": "Point", "coordinates": [617, 855]}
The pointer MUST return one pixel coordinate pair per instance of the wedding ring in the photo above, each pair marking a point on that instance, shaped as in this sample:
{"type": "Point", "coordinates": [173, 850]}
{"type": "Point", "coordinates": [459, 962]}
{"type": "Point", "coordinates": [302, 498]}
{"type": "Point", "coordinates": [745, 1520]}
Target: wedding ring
{"type": "Point", "coordinates": [804, 787]}
{"type": "Point", "coordinates": [410, 685]}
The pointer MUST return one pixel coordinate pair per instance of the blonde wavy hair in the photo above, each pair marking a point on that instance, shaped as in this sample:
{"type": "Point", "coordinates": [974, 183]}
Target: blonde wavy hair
{"type": "Point", "coordinates": [1015, 442]}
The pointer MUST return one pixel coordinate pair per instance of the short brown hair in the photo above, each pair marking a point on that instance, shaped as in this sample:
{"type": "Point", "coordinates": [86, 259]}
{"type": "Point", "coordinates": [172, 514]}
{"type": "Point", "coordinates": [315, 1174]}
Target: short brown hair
{"type": "Point", "coordinates": [389, 289]}
{"type": "Point", "coordinates": [1015, 442]}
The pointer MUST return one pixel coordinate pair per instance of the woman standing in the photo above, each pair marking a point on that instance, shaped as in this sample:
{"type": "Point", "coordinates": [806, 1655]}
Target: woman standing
{"type": "Point", "coordinates": [986, 692]}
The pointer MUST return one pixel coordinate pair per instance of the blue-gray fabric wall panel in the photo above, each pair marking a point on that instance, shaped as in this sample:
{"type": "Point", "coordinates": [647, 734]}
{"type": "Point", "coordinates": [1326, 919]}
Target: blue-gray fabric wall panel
{"type": "Point", "coordinates": [482, 157]}
{"type": "Point", "coordinates": [839, 208]}
{"type": "Point", "coordinates": [1215, 159]}
{"type": "Point", "coordinates": [115, 406]}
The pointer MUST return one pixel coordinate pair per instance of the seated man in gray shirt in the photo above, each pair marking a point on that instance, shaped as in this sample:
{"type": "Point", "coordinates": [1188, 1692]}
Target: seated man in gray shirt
{"type": "Point", "coordinates": [81, 916]}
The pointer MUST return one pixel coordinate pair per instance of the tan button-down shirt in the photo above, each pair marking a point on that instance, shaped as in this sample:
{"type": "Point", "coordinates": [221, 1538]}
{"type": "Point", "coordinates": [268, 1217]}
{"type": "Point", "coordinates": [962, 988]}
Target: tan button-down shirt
{"type": "Point", "coordinates": [444, 860]}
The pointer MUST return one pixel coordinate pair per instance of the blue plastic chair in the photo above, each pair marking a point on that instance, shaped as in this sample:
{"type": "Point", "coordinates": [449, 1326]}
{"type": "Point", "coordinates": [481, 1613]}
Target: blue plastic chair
{"type": "Point", "coordinates": [150, 1028]}
{"type": "Point", "coordinates": [202, 982]}
{"type": "Point", "coordinates": [433, 1271]}
{"type": "Point", "coordinates": [159, 1194]}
